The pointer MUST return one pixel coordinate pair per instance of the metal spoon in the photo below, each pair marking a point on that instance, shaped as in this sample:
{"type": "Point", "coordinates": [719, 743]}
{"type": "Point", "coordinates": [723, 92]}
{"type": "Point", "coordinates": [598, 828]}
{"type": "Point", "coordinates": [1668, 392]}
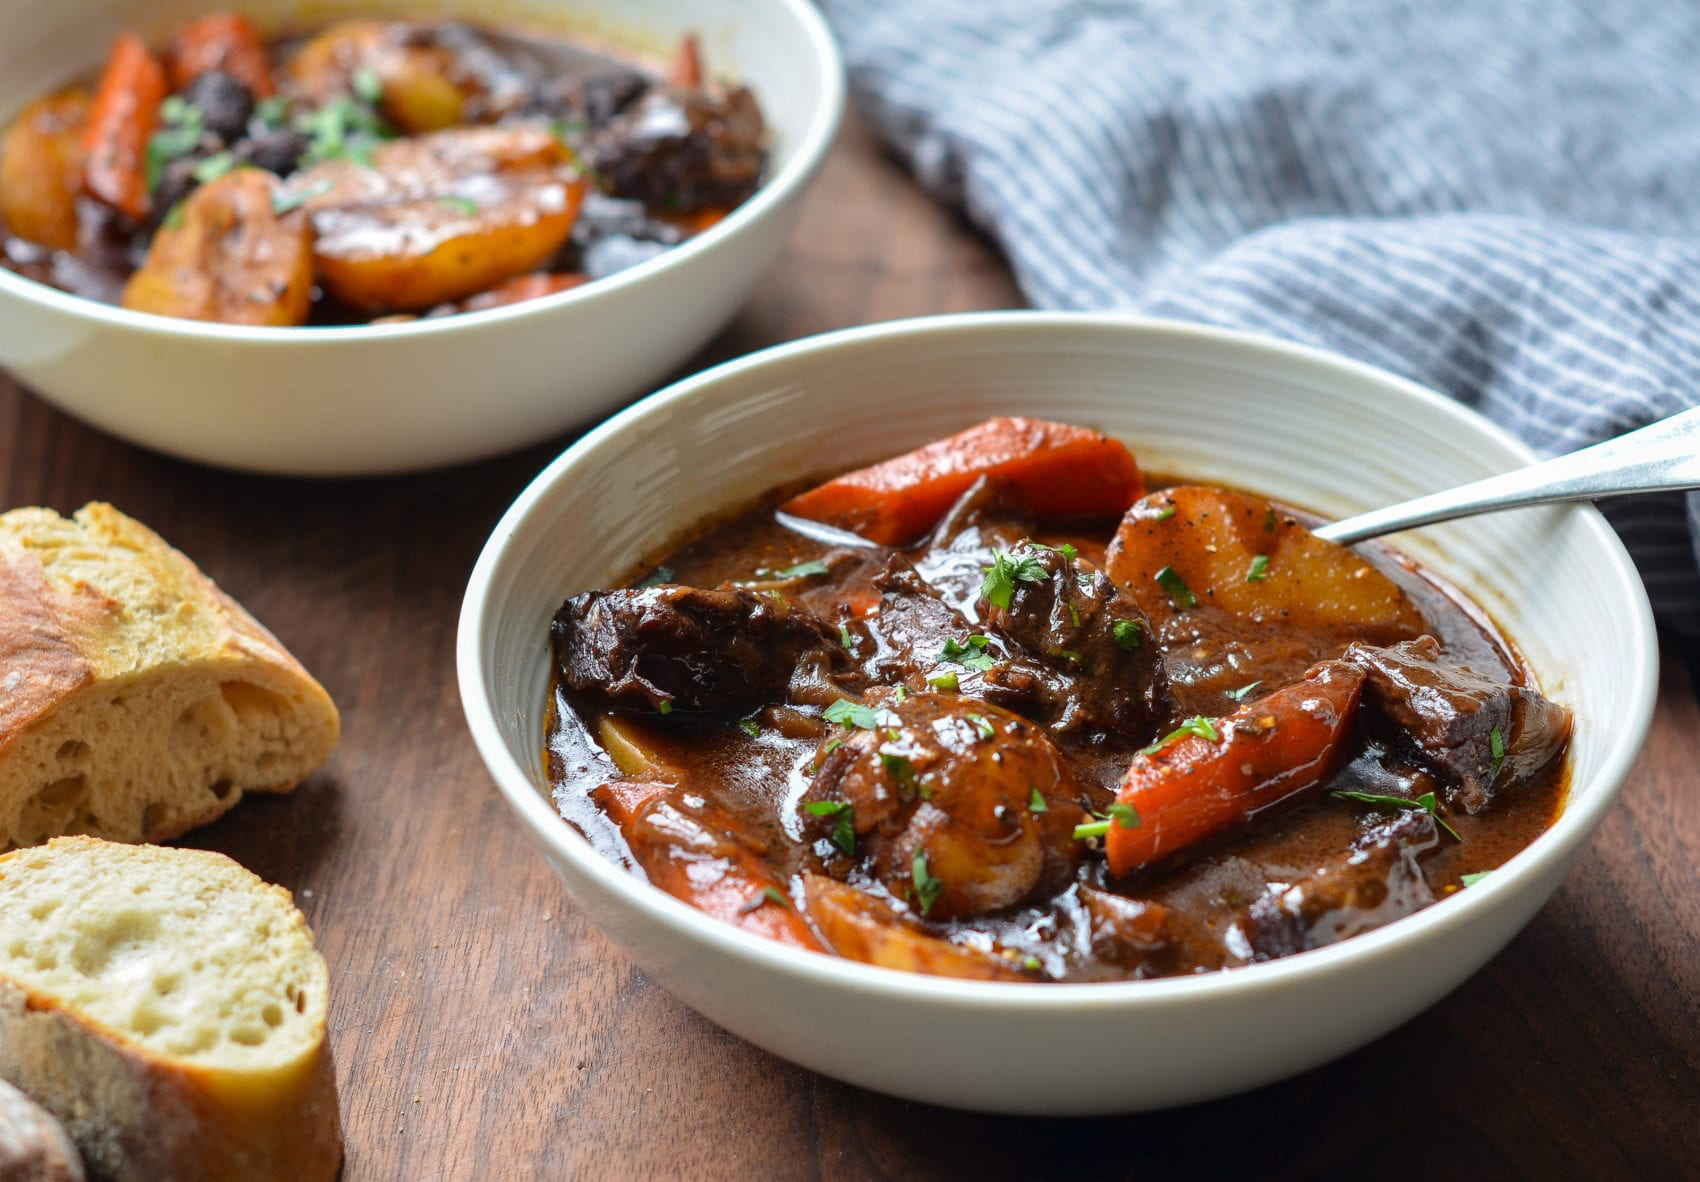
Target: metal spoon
{"type": "Point", "coordinates": [1659, 457]}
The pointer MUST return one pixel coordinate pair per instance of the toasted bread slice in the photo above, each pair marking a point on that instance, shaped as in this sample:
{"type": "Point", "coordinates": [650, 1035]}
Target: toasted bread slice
{"type": "Point", "coordinates": [137, 700]}
{"type": "Point", "coordinates": [168, 1008]}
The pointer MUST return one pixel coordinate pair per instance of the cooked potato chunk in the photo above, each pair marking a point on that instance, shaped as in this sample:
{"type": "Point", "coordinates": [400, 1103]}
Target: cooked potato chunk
{"type": "Point", "coordinates": [422, 88]}
{"type": "Point", "coordinates": [1192, 556]}
{"type": "Point", "coordinates": [860, 926]}
{"type": "Point", "coordinates": [227, 256]}
{"type": "Point", "coordinates": [637, 750]}
{"type": "Point", "coordinates": [940, 795]}
{"type": "Point", "coordinates": [41, 170]}
{"type": "Point", "coordinates": [439, 217]}
{"type": "Point", "coordinates": [1241, 555]}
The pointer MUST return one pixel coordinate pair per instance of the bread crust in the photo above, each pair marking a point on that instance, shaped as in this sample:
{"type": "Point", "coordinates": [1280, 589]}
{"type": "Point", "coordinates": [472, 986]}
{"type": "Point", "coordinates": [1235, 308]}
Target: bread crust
{"type": "Point", "coordinates": [139, 1115]}
{"type": "Point", "coordinates": [100, 605]}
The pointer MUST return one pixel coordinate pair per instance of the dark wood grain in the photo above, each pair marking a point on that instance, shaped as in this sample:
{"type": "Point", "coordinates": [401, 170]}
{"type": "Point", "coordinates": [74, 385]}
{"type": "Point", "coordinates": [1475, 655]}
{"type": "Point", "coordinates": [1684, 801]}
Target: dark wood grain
{"type": "Point", "coordinates": [483, 1029]}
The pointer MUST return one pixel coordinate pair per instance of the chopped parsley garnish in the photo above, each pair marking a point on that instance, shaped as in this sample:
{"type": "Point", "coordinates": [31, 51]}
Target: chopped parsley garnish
{"type": "Point", "coordinates": [174, 216]}
{"type": "Point", "coordinates": [273, 112]}
{"type": "Point", "coordinates": [1496, 745]}
{"type": "Point", "coordinates": [368, 87]}
{"type": "Point", "coordinates": [844, 637]}
{"type": "Point", "coordinates": [656, 577]}
{"type": "Point", "coordinates": [1122, 816]}
{"type": "Point", "coordinates": [342, 129]}
{"type": "Point", "coordinates": [1066, 654]}
{"type": "Point", "coordinates": [1198, 725]}
{"type": "Point", "coordinates": [1031, 963]}
{"type": "Point", "coordinates": [214, 166]}
{"type": "Point", "coordinates": [983, 725]}
{"type": "Point", "coordinates": [180, 127]}
{"type": "Point", "coordinates": [844, 833]}
{"type": "Point", "coordinates": [1239, 694]}
{"type": "Point", "coordinates": [1176, 588]}
{"type": "Point", "coordinates": [1036, 801]}
{"type": "Point", "coordinates": [749, 726]}
{"type": "Point", "coordinates": [465, 206]}
{"type": "Point", "coordinates": [1426, 802]}
{"type": "Point", "coordinates": [927, 888]}
{"type": "Point", "coordinates": [1259, 569]}
{"type": "Point", "coordinates": [901, 770]}
{"type": "Point", "coordinates": [802, 570]}
{"type": "Point", "coordinates": [973, 654]}
{"type": "Point", "coordinates": [1073, 615]}
{"type": "Point", "coordinates": [946, 681]}
{"type": "Point", "coordinates": [1473, 879]}
{"type": "Point", "coordinates": [666, 706]}
{"type": "Point", "coordinates": [288, 201]}
{"type": "Point", "coordinates": [844, 829]}
{"type": "Point", "coordinates": [850, 714]}
{"type": "Point", "coordinates": [1166, 512]}
{"type": "Point", "coordinates": [1126, 633]}
{"type": "Point", "coordinates": [1005, 572]}
{"type": "Point", "coordinates": [768, 895]}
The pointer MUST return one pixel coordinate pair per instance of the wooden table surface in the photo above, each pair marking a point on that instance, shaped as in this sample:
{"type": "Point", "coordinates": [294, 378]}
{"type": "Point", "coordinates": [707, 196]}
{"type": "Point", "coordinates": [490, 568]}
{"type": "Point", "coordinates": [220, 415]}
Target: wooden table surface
{"type": "Point", "coordinates": [484, 1030]}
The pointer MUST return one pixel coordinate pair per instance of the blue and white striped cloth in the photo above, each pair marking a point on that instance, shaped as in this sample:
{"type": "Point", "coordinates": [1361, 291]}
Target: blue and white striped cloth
{"type": "Point", "coordinates": [1499, 200]}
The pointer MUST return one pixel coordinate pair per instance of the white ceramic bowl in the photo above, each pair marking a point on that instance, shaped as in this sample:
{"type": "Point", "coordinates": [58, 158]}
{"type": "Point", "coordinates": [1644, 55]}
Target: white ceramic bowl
{"type": "Point", "coordinates": [361, 400]}
{"type": "Point", "coordinates": [1293, 423]}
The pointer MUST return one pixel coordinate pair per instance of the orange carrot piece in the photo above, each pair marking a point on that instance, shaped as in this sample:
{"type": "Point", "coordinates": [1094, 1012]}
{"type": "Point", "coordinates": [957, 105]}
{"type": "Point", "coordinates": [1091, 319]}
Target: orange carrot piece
{"type": "Point", "coordinates": [124, 114]}
{"type": "Point", "coordinates": [1063, 471]}
{"type": "Point", "coordinates": [693, 222]}
{"type": "Point", "coordinates": [532, 286]}
{"type": "Point", "coordinates": [1192, 787]}
{"type": "Point", "coordinates": [221, 41]}
{"type": "Point", "coordinates": [701, 854]}
{"type": "Point", "coordinates": [686, 70]}
{"type": "Point", "coordinates": [622, 800]}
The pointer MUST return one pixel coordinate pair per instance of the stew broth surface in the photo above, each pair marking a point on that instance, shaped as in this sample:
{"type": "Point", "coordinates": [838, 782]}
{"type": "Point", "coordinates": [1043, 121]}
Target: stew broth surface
{"type": "Point", "coordinates": [760, 778]}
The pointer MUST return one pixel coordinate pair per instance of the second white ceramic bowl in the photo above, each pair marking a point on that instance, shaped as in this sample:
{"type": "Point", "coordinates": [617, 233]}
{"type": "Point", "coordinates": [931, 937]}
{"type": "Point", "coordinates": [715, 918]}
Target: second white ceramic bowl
{"type": "Point", "coordinates": [366, 400]}
{"type": "Point", "coordinates": [1306, 428]}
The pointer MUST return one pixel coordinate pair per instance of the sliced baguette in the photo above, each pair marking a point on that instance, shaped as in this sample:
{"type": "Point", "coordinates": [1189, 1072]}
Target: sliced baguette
{"type": "Point", "coordinates": [137, 700]}
{"type": "Point", "coordinates": [168, 1008]}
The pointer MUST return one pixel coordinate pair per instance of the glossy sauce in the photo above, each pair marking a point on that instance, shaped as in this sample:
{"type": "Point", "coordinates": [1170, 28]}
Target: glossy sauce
{"type": "Point", "coordinates": [761, 778]}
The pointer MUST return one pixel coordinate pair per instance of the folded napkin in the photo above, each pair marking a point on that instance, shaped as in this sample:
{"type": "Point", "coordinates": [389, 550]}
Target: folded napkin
{"type": "Point", "coordinates": [1500, 201]}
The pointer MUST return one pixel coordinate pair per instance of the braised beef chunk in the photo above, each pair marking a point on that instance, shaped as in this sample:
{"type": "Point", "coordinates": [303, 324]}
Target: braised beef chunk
{"type": "Point", "coordinates": [1122, 930]}
{"type": "Point", "coordinates": [682, 648]}
{"type": "Point", "coordinates": [682, 148]}
{"type": "Point", "coordinates": [992, 515]}
{"type": "Point", "coordinates": [941, 789]}
{"type": "Point", "coordinates": [1066, 614]}
{"type": "Point", "coordinates": [1475, 733]}
{"type": "Point", "coordinates": [916, 635]}
{"type": "Point", "coordinates": [1377, 882]}
{"type": "Point", "coordinates": [224, 102]}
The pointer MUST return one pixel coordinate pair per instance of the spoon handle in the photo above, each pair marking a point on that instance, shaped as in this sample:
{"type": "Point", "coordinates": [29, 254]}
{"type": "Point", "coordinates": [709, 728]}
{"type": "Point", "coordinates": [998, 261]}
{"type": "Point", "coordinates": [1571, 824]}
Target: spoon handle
{"type": "Point", "coordinates": [1661, 456]}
